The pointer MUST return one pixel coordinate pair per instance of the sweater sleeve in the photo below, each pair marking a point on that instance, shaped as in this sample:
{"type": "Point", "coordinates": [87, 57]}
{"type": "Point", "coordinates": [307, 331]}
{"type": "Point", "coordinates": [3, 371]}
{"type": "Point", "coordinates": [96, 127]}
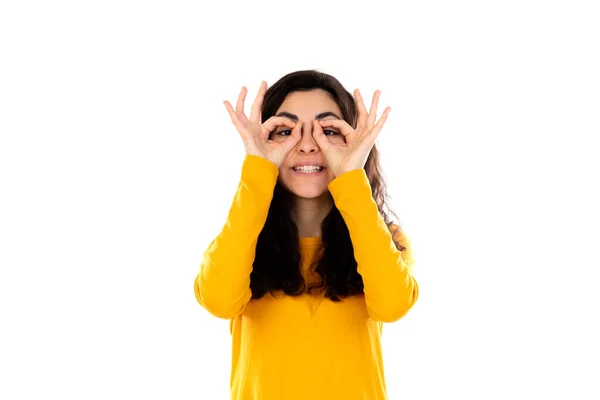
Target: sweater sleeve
{"type": "Point", "coordinates": [222, 286]}
{"type": "Point", "coordinates": [389, 287]}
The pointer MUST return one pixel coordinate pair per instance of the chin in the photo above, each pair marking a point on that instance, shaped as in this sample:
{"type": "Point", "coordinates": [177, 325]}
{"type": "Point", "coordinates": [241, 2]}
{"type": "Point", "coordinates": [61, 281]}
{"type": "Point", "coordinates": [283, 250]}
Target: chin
{"type": "Point", "coordinates": [306, 191]}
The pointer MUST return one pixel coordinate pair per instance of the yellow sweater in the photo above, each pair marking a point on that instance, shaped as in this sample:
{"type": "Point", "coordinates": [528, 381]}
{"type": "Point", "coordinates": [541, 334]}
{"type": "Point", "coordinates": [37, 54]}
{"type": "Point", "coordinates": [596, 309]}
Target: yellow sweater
{"type": "Point", "coordinates": [306, 347]}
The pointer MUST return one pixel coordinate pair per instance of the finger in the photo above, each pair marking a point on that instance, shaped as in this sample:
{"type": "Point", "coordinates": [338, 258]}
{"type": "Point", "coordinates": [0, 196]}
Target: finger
{"type": "Point", "coordinates": [274, 122]}
{"type": "Point", "coordinates": [340, 124]}
{"type": "Point", "coordinates": [230, 110]}
{"type": "Point", "coordinates": [255, 112]}
{"type": "Point", "coordinates": [375, 131]}
{"type": "Point", "coordinates": [362, 109]}
{"type": "Point", "coordinates": [233, 116]}
{"type": "Point", "coordinates": [373, 111]}
{"type": "Point", "coordinates": [293, 139]}
{"type": "Point", "coordinates": [239, 107]}
{"type": "Point", "coordinates": [319, 136]}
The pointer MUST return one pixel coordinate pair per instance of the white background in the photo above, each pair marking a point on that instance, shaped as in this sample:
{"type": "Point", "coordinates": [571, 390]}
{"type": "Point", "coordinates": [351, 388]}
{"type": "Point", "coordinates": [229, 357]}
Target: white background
{"type": "Point", "coordinates": [118, 164]}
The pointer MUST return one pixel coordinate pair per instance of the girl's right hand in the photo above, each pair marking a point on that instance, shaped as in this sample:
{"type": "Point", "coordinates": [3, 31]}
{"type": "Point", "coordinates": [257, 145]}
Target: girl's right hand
{"type": "Point", "coordinates": [256, 134]}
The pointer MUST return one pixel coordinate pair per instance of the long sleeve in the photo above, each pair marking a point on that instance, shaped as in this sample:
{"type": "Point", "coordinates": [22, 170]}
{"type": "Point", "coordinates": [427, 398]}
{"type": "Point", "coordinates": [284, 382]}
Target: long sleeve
{"type": "Point", "coordinates": [222, 286]}
{"type": "Point", "coordinates": [389, 287]}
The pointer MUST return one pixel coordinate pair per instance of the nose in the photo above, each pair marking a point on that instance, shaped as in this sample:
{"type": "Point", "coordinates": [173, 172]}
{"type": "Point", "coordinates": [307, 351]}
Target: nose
{"type": "Point", "coordinates": [307, 143]}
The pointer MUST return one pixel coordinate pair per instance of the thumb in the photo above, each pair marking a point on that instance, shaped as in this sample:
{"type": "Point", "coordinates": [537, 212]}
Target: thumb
{"type": "Point", "coordinates": [320, 137]}
{"type": "Point", "coordinates": [293, 139]}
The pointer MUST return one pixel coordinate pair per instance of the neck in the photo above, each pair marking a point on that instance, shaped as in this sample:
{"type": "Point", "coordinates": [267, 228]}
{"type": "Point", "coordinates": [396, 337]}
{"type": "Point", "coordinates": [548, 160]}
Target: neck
{"type": "Point", "coordinates": [310, 213]}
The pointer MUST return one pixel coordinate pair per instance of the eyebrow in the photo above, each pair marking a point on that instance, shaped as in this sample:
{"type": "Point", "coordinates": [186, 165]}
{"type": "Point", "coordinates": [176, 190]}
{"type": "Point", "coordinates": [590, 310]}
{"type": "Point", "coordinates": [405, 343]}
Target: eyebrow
{"type": "Point", "coordinates": [294, 117]}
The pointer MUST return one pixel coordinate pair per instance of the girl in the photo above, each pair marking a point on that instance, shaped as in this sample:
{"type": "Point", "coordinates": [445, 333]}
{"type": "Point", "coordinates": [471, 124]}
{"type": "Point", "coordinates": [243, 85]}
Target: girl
{"type": "Point", "coordinates": [308, 265]}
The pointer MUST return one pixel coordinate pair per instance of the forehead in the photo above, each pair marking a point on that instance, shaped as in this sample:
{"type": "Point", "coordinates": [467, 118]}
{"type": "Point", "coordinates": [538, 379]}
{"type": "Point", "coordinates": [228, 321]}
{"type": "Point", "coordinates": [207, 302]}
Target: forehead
{"type": "Point", "coordinates": [309, 102]}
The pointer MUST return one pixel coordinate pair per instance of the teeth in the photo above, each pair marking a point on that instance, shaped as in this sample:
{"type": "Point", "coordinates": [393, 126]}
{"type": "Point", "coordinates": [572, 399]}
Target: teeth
{"type": "Point", "coordinates": [308, 169]}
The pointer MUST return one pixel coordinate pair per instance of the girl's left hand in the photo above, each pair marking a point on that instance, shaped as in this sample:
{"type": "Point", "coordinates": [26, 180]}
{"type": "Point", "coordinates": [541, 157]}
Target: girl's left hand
{"type": "Point", "coordinates": [351, 155]}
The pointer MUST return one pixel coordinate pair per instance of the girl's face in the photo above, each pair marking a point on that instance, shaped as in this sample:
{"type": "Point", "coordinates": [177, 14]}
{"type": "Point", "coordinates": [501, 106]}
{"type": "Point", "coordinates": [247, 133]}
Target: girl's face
{"type": "Point", "coordinates": [305, 107]}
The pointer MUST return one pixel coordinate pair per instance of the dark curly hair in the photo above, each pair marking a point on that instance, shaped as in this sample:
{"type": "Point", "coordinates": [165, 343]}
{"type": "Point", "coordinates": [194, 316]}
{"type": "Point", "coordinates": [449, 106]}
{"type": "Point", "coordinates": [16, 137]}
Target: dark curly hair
{"type": "Point", "coordinates": [276, 265]}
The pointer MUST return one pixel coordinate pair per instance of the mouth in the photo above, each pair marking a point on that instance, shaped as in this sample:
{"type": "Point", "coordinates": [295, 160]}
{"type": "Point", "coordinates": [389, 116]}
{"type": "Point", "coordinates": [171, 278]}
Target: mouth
{"type": "Point", "coordinates": [308, 169]}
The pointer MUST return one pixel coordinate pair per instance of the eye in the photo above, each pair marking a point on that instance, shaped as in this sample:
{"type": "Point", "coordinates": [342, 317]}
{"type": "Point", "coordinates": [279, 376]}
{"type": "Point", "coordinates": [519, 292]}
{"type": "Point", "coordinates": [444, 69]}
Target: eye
{"type": "Point", "coordinates": [287, 132]}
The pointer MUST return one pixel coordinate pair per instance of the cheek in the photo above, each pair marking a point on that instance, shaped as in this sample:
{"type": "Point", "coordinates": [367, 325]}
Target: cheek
{"type": "Point", "coordinates": [337, 138]}
{"type": "Point", "coordinates": [330, 175]}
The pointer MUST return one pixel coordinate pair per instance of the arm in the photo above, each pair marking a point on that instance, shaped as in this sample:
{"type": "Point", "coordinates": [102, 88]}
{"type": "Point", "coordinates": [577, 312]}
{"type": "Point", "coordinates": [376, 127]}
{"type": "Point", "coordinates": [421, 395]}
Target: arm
{"type": "Point", "coordinates": [389, 287]}
{"type": "Point", "coordinates": [222, 286]}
